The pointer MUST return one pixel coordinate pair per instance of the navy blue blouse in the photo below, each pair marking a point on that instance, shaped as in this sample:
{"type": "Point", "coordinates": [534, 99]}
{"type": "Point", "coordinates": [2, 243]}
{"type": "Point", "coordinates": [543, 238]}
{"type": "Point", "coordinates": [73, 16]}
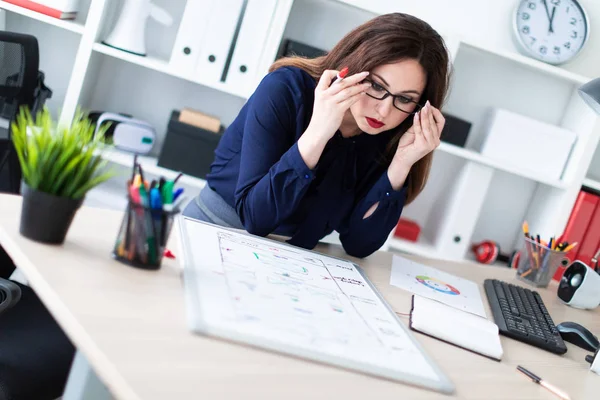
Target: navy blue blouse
{"type": "Point", "coordinates": [258, 170]}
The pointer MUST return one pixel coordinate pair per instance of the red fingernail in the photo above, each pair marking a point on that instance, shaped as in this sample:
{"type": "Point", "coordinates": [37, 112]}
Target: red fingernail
{"type": "Point", "coordinates": [343, 72]}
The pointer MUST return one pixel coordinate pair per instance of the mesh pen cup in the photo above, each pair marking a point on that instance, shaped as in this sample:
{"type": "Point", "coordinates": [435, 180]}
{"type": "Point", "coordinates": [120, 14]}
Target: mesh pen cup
{"type": "Point", "coordinates": [143, 235]}
{"type": "Point", "coordinates": [538, 263]}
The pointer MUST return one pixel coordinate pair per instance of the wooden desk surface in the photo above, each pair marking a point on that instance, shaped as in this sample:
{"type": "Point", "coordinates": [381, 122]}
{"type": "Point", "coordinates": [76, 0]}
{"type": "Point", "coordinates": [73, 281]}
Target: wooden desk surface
{"type": "Point", "coordinates": [130, 324]}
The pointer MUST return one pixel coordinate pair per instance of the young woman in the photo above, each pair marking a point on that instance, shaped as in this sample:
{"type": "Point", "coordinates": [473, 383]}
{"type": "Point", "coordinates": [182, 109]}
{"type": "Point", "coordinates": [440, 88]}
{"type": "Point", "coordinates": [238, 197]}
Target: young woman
{"type": "Point", "coordinates": [309, 154]}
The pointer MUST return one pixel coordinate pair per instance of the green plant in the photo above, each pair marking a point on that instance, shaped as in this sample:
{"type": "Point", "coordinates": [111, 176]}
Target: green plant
{"type": "Point", "coordinates": [61, 160]}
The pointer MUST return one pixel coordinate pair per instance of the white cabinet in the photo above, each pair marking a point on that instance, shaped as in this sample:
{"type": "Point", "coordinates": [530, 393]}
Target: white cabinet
{"type": "Point", "coordinates": [468, 198]}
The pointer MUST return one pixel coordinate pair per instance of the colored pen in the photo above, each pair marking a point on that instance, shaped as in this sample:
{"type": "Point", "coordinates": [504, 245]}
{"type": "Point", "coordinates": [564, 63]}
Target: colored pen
{"type": "Point", "coordinates": [340, 75]}
{"type": "Point", "coordinates": [570, 247]}
{"type": "Point", "coordinates": [526, 229]}
{"type": "Point", "coordinates": [551, 388]}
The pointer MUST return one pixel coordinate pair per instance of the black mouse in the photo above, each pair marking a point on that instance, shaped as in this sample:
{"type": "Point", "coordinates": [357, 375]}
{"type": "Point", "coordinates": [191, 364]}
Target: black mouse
{"type": "Point", "coordinates": [574, 333]}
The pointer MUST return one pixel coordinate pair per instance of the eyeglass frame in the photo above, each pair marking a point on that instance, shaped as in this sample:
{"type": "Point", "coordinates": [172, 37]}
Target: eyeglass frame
{"type": "Point", "coordinates": [394, 96]}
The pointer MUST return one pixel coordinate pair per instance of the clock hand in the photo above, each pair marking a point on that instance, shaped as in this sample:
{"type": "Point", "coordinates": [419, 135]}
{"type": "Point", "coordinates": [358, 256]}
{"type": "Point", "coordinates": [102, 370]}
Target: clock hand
{"type": "Point", "coordinates": [552, 19]}
{"type": "Point", "coordinates": [548, 15]}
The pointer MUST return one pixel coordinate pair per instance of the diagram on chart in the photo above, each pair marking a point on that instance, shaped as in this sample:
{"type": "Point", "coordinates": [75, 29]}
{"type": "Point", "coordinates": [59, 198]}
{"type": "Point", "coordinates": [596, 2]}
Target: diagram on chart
{"type": "Point", "coordinates": [290, 298]}
{"type": "Point", "coordinates": [437, 285]}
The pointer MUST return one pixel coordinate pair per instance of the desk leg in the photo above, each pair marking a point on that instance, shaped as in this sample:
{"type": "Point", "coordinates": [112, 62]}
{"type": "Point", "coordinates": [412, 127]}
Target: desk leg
{"type": "Point", "coordinates": [83, 382]}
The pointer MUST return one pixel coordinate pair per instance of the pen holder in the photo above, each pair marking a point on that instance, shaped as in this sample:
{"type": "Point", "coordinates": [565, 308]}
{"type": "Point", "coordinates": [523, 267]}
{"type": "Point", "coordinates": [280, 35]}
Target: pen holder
{"type": "Point", "coordinates": [538, 263]}
{"type": "Point", "coordinates": [143, 235]}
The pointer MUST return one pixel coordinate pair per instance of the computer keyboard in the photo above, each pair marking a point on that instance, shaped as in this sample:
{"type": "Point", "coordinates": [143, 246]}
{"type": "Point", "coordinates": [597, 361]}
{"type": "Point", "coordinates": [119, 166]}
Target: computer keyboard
{"type": "Point", "coordinates": [520, 313]}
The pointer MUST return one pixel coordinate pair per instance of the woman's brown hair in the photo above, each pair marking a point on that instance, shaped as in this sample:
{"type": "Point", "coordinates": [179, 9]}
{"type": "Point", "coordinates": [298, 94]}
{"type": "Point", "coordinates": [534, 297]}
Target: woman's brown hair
{"type": "Point", "coordinates": [384, 40]}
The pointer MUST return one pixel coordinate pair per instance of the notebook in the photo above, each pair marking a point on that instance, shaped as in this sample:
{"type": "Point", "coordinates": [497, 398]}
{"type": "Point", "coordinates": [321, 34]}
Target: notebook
{"type": "Point", "coordinates": [457, 327]}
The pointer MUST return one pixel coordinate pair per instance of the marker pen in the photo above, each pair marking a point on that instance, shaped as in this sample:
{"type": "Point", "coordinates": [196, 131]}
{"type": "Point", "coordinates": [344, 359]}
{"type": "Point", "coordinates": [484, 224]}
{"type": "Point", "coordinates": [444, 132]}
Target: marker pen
{"type": "Point", "coordinates": [341, 75]}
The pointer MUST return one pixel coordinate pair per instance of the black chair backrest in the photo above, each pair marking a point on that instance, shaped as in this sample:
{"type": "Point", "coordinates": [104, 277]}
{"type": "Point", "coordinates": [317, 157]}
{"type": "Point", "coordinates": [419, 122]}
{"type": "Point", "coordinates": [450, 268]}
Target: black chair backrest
{"type": "Point", "coordinates": [19, 65]}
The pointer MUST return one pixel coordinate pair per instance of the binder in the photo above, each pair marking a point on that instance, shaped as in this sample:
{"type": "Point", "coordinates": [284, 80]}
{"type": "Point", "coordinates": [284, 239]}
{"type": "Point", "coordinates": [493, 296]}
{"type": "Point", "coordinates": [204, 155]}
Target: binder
{"type": "Point", "coordinates": [188, 41]}
{"type": "Point", "coordinates": [254, 29]}
{"type": "Point", "coordinates": [578, 223]}
{"type": "Point", "coordinates": [591, 239]}
{"type": "Point", "coordinates": [218, 40]}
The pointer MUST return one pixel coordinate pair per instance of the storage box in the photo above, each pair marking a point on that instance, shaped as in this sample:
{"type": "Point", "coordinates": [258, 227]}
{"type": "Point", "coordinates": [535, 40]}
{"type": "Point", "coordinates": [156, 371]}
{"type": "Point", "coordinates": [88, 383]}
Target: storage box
{"type": "Point", "coordinates": [456, 130]}
{"type": "Point", "coordinates": [187, 148]}
{"type": "Point", "coordinates": [527, 143]}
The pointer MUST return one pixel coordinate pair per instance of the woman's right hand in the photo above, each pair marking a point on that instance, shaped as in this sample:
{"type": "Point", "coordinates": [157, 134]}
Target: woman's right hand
{"type": "Point", "coordinates": [332, 101]}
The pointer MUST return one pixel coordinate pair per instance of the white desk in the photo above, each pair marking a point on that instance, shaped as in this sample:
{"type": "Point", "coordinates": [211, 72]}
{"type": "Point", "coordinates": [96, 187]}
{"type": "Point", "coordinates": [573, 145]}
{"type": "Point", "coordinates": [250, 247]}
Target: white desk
{"type": "Point", "coordinates": [130, 326]}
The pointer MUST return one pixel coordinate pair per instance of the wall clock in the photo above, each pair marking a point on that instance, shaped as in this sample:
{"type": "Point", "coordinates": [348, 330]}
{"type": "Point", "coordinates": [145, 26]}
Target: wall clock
{"type": "Point", "coordinates": [552, 31]}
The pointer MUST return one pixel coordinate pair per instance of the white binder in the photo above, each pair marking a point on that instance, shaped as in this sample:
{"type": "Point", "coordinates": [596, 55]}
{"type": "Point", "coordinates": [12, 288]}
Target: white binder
{"type": "Point", "coordinates": [254, 29]}
{"type": "Point", "coordinates": [218, 40]}
{"type": "Point", "coordinates": [192, 29]}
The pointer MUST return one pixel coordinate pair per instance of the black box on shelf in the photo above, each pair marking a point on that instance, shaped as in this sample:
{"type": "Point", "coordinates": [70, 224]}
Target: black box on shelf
{"type": "Point", "coordinates": [456, 130]}
{"type": "Point", "coordinates": [290, 48]}
{"type": "Point", "coordinates": [187, 148]}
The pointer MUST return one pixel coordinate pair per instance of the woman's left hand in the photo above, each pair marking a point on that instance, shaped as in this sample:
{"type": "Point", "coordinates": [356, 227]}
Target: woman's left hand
{"type": "Point", "coordinates": [422, 138]}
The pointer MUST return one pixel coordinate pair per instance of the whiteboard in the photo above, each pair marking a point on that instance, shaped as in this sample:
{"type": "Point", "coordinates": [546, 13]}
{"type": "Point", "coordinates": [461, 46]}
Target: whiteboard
{"type": "Point", "coordinates": [283, 298]}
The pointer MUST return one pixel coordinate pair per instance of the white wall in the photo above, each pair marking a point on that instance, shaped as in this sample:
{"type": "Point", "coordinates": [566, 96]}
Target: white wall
{"type": "Point", "coordinates": [489, 22]}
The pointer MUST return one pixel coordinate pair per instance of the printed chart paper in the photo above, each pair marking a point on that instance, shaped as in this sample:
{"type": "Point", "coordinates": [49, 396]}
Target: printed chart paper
{"type": "Point", "coordinates": [288, 299]}
{"type": "Point", "coordinates": [429, 282]}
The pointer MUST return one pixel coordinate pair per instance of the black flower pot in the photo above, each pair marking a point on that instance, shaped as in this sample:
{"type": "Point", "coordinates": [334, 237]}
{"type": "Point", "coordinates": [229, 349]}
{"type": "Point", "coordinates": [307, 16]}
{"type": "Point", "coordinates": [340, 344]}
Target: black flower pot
{"type": "Point", "coordinates": [46, 218]}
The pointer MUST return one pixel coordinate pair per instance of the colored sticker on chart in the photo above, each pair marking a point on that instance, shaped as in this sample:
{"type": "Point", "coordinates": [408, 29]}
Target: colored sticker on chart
{"type": "Point", "coordinates": [438, 285]}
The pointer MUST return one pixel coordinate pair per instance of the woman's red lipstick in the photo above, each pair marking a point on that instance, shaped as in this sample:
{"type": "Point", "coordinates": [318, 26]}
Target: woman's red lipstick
{"type": "Point", "coordinates": [374, 123]}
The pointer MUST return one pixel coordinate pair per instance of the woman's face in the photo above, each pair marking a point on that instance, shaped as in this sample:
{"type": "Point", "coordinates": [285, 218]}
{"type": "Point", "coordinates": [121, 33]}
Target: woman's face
{"type": "Point", "coordinates": [406, 79]}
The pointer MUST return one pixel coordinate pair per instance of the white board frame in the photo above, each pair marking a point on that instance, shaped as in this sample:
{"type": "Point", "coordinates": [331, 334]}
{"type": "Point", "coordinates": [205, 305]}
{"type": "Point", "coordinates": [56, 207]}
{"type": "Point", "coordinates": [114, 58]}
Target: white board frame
{"type": "Point", "coordinates": [198, 325]}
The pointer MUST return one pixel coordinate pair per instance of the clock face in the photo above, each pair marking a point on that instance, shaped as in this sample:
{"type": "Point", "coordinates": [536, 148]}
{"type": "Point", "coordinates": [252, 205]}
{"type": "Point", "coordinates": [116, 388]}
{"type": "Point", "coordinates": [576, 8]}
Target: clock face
{"type": "Point", "coordinates": [553, 31]}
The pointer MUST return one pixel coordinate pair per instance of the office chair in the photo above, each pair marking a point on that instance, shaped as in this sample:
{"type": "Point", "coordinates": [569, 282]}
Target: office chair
{"type": "Point", "coordinates": [19, 64]}
{"type": "Point", "coordinates": [35, 354]}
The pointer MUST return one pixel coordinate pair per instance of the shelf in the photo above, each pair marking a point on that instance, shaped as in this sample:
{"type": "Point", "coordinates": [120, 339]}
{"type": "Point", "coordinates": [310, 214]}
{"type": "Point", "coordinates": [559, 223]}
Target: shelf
{"type": "Point", "coordinates": [61, 23]}
{"type": "Point", "coordinates": [150, 166]}
{"type": "Point", "coordinates": [419, 248]}
{"type": "Point", "coordinates": [592, 184]}
{"type": "Point", "coordinates": [499, 165]}
{"type": "Point", "coordinates": [532, 63]}
{"type": "Point", "coordinates": [160, 65]}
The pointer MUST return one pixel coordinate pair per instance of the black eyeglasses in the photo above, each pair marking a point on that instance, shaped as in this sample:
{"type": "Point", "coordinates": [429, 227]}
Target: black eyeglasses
{"type": "Point", "coordinates": [402, 103]}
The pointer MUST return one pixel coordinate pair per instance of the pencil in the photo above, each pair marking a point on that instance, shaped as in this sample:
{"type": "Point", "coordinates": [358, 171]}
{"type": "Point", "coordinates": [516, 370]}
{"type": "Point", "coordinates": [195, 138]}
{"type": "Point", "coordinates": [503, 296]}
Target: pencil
{"type": "Point", "coordinates": [526, 228]}
{"type": "Point", "coordinates": [551, 388]}
{"type": "Point", "coordinates": [570, 247]}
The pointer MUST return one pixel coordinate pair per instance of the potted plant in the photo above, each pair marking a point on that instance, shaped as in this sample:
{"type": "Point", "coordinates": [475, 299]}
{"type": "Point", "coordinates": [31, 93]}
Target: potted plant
{"type": "Point", "coordinates": [59, 164]}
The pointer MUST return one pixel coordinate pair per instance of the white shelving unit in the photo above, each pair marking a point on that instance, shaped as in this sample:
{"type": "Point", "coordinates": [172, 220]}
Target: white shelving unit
{"type": "Point", "coordinates": [469, 197]}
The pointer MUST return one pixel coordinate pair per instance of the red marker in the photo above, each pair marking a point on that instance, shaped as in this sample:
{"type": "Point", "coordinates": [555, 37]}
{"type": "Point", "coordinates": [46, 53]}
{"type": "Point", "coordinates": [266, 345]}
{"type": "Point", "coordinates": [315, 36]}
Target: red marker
{"type": "Point", "coordinates": [341, 75]}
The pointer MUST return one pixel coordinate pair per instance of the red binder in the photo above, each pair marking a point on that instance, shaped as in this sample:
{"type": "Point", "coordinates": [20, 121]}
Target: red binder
{"type": "Point", "coordinates": [578, 224]}
{"type": "Point", "coordinates": [591, 240]}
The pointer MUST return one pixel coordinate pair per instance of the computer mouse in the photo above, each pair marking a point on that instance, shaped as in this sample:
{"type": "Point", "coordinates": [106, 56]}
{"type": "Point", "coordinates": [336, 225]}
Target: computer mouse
{"type": "Point", "coordinates": [574, 333]}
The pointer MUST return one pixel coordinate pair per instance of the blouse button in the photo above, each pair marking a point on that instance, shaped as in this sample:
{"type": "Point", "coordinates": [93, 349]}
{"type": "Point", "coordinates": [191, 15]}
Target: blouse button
{"type": "Point", "coordinates": [387, 193]}
{"type": "Point", "coordinates": [306, 176]}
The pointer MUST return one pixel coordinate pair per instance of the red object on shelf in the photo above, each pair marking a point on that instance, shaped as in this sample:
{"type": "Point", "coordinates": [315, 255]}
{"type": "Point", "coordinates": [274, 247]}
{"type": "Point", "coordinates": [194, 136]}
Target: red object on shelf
{"type": "Point", "coordinates": [591, 241]}
{"type": "Point", "coordinates": [43, 9]}
{"type": "Point", "coordinates": [578, 224]}
{"type": "Point", "coordinates": [407, 229]}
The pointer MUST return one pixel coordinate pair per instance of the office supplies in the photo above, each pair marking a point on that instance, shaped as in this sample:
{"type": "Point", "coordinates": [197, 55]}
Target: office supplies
{"type": "Point", "coordinates": [190, 35]}
{"type": "Point", "coordinates": [460, 328]}
{"type": "Point", "coordinates": [594, 361]}
{"type": "Point", "coordinates": [61, 9]}
{"type": "Point", "coordinates": [187, 148]}
{"type": "Point", "coordinates": [254, 28]}
{"type": "Point", "coordinates": [579, 286]}
{"type": "Point", "coordinates": [407, 229]}
{"type": "Point", "coordinates": [129, 32]}
{"type": "Point", "coordinates": [290, 47]}
{"type": "Point", "coordinates": [148, 220]}
{"type": "Point", "coordinates": [522, 315]}
{"type": "Point", "coordinates": [125, 132]}
{"type": "Point", "coordinates": [553, 389]}
{"type": "Point", "coordinates": [580, 336]}
{"type": "Point", "coordinates": [578, 223]}
{"type": "Point", "coordinates": [537, 262]}
{"type": "Point", "coordinates": [546, 147]}
{"type": "Point", "coordinates": [218, 39]}
{"type": "Point", "coordinates": [340, 75]}
{"type": "Point", "coordinates": [279, 297]}
{"type": "Point", "coordinates": [429, 282]}
{"type": "Point", "coordinates": [200, 120]}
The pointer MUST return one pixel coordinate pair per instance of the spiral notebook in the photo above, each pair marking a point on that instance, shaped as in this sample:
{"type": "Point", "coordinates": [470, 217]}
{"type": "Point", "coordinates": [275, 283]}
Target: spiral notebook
{"type": "Point", "coordinates": [457, 327]}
